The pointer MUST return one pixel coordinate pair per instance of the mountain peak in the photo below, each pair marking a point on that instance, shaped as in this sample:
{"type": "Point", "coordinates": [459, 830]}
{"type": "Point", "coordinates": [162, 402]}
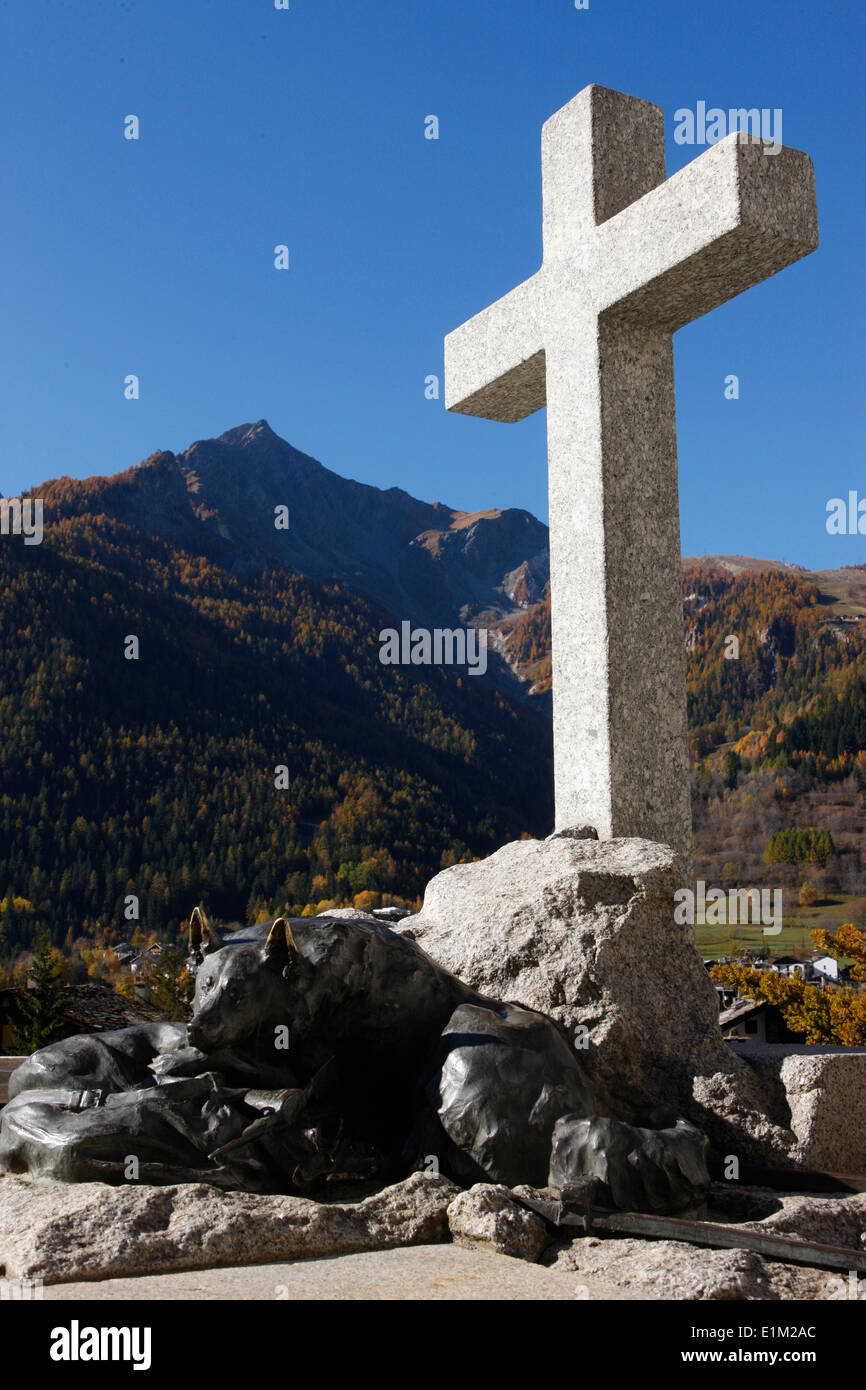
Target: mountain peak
{"type": "Point", "coordinates": [248, 434]}
{"type": "Point", "coordinates": [428, 562]}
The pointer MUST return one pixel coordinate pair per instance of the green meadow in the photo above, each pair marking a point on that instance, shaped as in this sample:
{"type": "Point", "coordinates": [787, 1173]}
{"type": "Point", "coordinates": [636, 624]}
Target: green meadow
{"type": "Point", "coordinates": [793, 939]}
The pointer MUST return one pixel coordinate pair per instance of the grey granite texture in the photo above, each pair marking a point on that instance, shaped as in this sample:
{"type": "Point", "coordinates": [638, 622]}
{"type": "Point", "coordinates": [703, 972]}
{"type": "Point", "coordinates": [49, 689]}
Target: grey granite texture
{"type": "Point", "coordinates": [825, 1094]}
{"type": "Point", "coordinates": [668, 1269]}
{"type": "Point", "coordinates": [583, 930]}
{"type": "Point", "coordinates": [629, 257]}
{"type": "Point", "coordinates": [487, 1218]}
{"type": "Point", "coordinates": [60, 1232]}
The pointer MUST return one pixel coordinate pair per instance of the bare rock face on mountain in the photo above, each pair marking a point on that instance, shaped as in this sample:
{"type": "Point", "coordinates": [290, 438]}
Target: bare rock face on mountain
{"type": "Point", "coordinates": [584, 931]}
{"type": "Point", "coordinates": [422, 561]}
{"type": "Point", "coordinates": [431, 564]}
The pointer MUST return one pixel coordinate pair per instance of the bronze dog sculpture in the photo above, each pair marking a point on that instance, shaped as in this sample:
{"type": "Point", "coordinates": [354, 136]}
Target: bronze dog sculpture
{"type": "Point", "coordinates": [324, 1050]}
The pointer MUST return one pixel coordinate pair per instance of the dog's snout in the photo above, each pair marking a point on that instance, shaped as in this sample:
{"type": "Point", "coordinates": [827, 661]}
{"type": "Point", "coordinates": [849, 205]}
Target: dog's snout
{"type": "Point", "coordinates": [197, 1029]}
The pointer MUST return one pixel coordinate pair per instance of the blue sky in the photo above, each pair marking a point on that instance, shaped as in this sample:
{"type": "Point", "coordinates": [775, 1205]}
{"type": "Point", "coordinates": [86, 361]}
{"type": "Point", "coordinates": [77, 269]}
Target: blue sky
{"type": "Point", "coordinates": [306, 127]}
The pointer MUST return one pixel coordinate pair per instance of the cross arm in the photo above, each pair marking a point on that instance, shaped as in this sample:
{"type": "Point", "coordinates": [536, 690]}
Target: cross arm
{"type": "Point", "coordinates": [494, 363]}
{"type": "Point", "coordinates": [725, 222]}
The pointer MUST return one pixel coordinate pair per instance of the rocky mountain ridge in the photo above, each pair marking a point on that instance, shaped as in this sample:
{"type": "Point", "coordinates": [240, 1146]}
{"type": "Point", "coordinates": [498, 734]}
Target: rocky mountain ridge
{"type": "Point", "coordinates": [426, 561]}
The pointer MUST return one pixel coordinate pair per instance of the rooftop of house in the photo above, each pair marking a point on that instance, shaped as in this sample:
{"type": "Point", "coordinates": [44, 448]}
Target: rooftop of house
{"type": "Point", "coordinates": [744, 1008]}
{"type": "Point", "coordinates": [94, 1007]}
{"type": "Point", "coordinates": [98, 1007]}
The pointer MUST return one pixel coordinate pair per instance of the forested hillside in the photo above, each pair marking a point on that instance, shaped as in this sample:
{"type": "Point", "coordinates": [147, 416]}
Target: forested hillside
{"type": "Point", "coordinates": [776, 679]}
{"type": "Point", "coordinates": [156, 777]}
{"type": "Point", "coordinates": [793, 685]}
{"type": "Point", "coordinates": [778, 735]}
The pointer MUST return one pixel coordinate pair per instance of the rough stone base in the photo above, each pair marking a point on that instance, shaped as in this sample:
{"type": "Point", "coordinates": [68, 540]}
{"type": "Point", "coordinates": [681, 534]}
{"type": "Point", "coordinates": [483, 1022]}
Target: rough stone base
{"type": "Point", "coordinates": [486, 1217]}
{"type": "Point", "coordinates": [72, 1231]}
{"type": "Point", "coordinates": [88, 1233]}
{"type": "Point", "coordinates": [821, 1095]}
{"type": "Point", "coordinates": [584, 931]}
{"type": "Point", "coordinates": [667, 1269]}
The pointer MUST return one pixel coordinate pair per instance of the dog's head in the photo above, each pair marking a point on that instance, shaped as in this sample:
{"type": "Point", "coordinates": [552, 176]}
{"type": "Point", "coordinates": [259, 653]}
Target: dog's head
{"type": "Point", "coordinates": [240, 987]}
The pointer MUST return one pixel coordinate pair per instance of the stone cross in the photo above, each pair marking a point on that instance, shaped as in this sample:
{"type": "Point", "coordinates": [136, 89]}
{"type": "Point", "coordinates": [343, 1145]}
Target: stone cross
{"type": "Point", "coordinates": [628, 259]}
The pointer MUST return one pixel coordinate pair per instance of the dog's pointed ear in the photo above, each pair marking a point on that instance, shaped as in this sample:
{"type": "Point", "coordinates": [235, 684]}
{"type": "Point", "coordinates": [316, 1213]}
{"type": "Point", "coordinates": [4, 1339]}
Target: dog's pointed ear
{"type": "Point", "coordinates": [202, 936]}
{"type": "Point", "coordinates": [280, 942]}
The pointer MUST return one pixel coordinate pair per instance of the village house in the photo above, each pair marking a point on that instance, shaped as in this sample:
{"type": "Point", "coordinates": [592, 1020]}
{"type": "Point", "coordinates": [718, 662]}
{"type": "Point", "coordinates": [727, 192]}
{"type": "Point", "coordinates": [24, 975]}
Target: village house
{"type": "Point", "coordinates": [786, 966]}
{"type": "Point", "coordinates": [89, 1008]}
{"type": "Point", "coordinates": [748, 1021]}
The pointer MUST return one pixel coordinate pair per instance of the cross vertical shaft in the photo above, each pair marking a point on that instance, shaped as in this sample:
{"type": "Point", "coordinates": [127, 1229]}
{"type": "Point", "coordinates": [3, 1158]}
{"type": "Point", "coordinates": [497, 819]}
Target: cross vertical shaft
{"type": "Point", "coordinates": [628, 259]}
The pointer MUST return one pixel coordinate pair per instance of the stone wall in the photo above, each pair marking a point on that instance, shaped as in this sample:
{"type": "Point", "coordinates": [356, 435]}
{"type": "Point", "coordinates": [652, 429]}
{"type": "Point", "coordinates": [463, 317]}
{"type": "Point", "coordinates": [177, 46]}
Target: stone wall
{"type": "Point", "coordinates": [825, 1095]}
{"type": "Point", "coordinates": [584, 930]}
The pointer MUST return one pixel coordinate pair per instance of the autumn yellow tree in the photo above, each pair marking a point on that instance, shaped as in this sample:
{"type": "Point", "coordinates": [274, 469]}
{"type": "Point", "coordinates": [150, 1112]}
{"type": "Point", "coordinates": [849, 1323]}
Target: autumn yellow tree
{"type": "Point", "coordinates": [829, 1015]}
{"type": "Point", "coordinates": [126, 985]}
{"type": "Point", "coordinates": [170, 985]}
{"type": "Point", "coordinates": [847, 940]}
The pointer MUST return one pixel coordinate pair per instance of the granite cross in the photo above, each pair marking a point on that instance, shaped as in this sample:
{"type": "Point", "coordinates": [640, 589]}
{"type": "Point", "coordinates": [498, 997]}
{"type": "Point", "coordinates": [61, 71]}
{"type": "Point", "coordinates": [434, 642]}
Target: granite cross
{"type": "Point", "coordinates": [629, 257]}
